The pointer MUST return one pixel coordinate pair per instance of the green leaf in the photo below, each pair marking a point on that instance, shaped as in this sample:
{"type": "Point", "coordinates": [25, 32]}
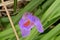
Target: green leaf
{"type": "Point", "coordinates": [51, 33]}
{"type": "Point", "coordinates": [15, 5]}
{"type": "Point", "coordinates": [50, 10]}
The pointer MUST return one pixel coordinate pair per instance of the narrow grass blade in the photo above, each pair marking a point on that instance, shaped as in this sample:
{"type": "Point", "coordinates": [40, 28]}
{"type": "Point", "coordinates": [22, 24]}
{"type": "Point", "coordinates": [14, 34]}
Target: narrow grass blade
{"type": "Point", "coordinates": [51, 33]}
{"type": "Point", "coordinates": [50, 10]}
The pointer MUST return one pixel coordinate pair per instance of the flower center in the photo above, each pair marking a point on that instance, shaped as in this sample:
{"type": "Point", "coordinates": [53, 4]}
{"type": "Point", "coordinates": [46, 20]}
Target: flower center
{"type": "Point", "coordinates": [27, 23]}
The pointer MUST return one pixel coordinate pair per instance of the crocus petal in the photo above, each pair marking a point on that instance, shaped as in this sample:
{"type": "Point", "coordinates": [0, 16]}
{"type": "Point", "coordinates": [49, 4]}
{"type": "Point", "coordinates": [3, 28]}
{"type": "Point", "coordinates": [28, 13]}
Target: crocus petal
{"type": "Point", "coordinates": [39, 26]}
{"type": "Point", "coordinates": [21, 23]}
{"type": "Point", "coordinates": [25, 33]}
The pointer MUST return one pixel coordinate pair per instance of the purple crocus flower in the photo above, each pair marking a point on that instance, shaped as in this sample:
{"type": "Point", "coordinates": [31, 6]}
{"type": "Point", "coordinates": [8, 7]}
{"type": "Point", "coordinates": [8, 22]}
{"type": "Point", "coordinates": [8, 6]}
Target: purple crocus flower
{"type": "Point", "coordinates": [27, 22]}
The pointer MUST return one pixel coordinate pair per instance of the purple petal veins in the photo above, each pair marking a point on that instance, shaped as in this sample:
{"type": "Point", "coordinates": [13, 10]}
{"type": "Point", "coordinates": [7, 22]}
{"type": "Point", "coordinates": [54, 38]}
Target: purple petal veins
{"type": "Point", "coordinates": [26, 25]}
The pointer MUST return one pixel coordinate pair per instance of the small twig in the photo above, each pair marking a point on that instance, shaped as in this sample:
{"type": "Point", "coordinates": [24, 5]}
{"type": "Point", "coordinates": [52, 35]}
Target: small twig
{"type": "Point", "coordinates": [10, 20]}
{"type": "Point", "coordinates": [7, 9]}
{"type": "Point", "coordinates": [10, 2]}
{"type": "Point", "coordinates": [0, 14]}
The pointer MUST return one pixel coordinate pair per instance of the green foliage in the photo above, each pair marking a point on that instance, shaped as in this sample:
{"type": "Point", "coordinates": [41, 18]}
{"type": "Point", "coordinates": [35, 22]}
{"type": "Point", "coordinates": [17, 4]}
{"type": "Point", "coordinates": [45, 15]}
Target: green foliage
{"type": "Point", "coordinates": [51, 33]}
{"type": "Point", "coordinates": [49, 13]}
